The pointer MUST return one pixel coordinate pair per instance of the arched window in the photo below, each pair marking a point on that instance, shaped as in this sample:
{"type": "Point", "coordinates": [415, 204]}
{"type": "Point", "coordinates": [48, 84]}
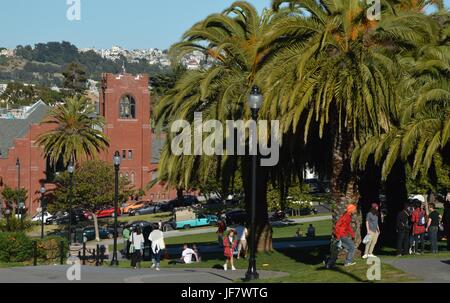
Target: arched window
{"type": "Point", "coordinates": [127, 108]}
{"type": "Point", "coordinates": [132, 178]}
{"type": "Point", "coordinates": [127, 176]}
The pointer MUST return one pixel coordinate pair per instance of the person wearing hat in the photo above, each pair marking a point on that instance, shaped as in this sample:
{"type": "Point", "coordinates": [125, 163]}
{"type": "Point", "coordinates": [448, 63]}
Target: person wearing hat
{"type": "Point", "coordinates": [373, 231]}
{"type": "Point", "coordinates": [343, 233]}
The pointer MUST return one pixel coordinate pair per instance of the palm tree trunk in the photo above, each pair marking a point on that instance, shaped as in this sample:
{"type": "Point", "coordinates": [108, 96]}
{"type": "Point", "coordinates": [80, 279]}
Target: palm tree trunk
{"type": "Point", "coordinates": [344, 189]}
{"type": "Point", "coordinates": [396, 197]}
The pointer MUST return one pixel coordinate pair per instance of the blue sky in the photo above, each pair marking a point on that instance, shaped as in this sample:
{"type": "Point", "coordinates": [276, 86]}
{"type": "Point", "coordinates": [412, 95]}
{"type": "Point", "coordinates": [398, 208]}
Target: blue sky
{"type": "Point", "coordinates": [128, 23]}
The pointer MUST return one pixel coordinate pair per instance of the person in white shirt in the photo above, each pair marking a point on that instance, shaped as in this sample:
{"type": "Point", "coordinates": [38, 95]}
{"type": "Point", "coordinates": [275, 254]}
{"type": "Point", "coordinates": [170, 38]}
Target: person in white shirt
{"type": "Point", "coordinates": [157, 239]}
{"type": "Point", "coordinates": [242, 234]}
{"type": "Point", "coordinates": [137, 246]}
{"type": "Point", "coordinates": [186, 255]}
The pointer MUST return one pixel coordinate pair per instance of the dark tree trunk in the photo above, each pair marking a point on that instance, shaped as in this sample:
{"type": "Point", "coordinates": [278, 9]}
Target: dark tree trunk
{"type": "Point", "coordinates": [343, 180]}
{"type": "Point", "coordinates": [263, 227]}
{"type": "Point", "coordinates": [179, 194]}
{"type": "Point", "coordinates": [396, 197]}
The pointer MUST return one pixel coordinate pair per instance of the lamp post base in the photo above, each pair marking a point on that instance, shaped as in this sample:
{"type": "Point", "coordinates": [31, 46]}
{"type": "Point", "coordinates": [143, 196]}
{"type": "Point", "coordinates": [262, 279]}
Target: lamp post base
{"type": "Point", "coordinates": [251, 273]}
{"type": "Point", "coordinates": [114, 262]}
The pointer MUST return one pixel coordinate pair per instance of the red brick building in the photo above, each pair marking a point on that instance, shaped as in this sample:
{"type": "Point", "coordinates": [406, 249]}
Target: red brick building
{"type": "Point", "coordinates": [124, 101]}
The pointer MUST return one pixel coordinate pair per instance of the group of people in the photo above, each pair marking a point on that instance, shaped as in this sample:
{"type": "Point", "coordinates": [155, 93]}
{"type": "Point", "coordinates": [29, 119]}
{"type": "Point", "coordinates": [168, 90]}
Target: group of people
{"type": "Point", "coordinates": [413, 223]}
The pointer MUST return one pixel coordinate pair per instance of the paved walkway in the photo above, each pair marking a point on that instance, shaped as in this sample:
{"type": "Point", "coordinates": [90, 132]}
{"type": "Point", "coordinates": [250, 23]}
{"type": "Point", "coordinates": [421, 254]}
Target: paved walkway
{"type": "Point", "coordinates": [90, 274]}
{"type": "Point", "coordinates": [427, 270]}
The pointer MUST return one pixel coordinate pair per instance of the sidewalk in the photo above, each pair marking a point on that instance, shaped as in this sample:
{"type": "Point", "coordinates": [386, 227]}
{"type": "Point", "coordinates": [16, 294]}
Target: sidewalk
{"type": "Point", "coordinates": [435, 270]}
{"type": "Point", "coordinates": [91, 274]}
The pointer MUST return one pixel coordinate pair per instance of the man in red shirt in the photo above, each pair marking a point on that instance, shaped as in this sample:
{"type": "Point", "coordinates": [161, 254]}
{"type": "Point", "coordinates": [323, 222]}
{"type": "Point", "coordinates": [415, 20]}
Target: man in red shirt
{"type": "Point", "coordinates": [344, 237]}
{"type": "Point", "coordinates": [418, 219]}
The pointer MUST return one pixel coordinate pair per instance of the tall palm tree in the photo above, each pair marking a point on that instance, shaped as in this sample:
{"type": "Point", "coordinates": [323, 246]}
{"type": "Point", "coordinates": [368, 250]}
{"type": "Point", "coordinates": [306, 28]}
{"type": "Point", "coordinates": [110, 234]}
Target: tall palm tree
{"type": "Point", "coordinates": [78, 133]}
{"type": "Point", "coordinates": [336, 78]}
{"type": "Point", "coordinates": [237, 43]}
{"type": "Point", "coordinates": [423, 128]}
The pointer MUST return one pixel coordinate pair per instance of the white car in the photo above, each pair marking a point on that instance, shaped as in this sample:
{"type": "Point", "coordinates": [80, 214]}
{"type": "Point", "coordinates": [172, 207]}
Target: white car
{"type": "Point", "coordinates": [38, 217]}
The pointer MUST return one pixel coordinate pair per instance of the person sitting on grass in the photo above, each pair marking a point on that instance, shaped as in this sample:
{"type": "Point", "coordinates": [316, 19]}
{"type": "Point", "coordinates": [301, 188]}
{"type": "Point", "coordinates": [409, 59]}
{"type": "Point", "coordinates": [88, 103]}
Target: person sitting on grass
{"type": "Point", "coordinates": [186, 256]}
{"type": "Point", "coordinates": [311, 233]}
{"type": "Point", "coordinates": [197, 255]}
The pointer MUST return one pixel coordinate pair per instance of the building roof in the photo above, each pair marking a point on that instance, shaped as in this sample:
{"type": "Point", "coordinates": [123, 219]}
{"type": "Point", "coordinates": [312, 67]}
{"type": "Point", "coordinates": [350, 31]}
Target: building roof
{"type": "Point", "coordinates": [13, 128]}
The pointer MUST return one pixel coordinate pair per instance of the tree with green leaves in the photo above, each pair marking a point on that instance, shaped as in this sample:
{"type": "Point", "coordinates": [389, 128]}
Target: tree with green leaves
{"type": "Point", "coordinates": [336, 81]}
{"type": "Point", "coordinates": [94, 188]}
{"type": "Point", "coordinates": [75, 79]}
{"type": "Point", "coordinates": [238, 41]}
{"type": "Point", "coordinates": [78, 133]}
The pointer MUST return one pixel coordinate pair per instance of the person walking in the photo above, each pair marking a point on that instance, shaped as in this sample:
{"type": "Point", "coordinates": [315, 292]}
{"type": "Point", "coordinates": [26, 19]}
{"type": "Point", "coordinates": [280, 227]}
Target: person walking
{"type": "Point", "coordinates": [418, 219]}
{"type": "Point", "coordinates": [221, 228]}
{"type": "Point", "coordinates": [373, 231]}
{"type": "Point", "coordinates": [403, 231]}
{"type": "Point", "coordinates": [242, 233]}
{"type": "Point", "coordinates": [126, 239]}
{"type": "Point", "coordinates": [157, 239]}
{"type": "Point", "coordinates": [229, 245]}
{"type": "Point", "coordinates": [136, 247]}
{"type": "Point", "coordinates": [343, 237]}
{"type": "Point", "coordinates": [446, 220]}
{"type": "Point", "coordinates": [433, 227]}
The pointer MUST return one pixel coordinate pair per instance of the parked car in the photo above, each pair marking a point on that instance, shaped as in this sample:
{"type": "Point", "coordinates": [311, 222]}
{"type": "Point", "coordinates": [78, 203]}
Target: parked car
{"type": "Point", "coordinates": [83, 215]}
{"type": "Point", "coordinates": [141, 224]}
{"type": "Point", "coordinates": [108, 213]}
{"type": "Point", "coordinates": [148, 209]}
{"type": "Point", "coordinates": [89, 233]}
{"type": "Point", "coordinates": [62, 219]}
{"type": "Point", "coordinates": [38, 217]}
{"type": "Point", "coordinates": [135, 206]}
{"type": "Point", "coordinates": [237, 216]}
{"type": "Point", "coordinates": [185, 202]}
{"type": "Point", "coordinates": [186, 218]}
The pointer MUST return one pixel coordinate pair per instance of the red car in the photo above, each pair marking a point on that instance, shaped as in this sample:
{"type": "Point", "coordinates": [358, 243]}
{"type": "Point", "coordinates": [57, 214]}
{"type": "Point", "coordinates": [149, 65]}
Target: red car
{"type": "Point", "coordinates": [107, 213]}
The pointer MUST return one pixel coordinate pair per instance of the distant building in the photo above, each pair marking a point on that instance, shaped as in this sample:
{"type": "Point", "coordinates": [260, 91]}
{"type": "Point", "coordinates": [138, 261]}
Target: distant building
{"type": "Point", "coordinates": [124, 101]}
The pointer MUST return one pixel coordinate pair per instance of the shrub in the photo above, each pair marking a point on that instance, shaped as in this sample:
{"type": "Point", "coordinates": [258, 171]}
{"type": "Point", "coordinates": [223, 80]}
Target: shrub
{"type": "Point", "coordinates": [15, 247]}
{"type": "Point", "coordinates": [49, 249]}
{"type": "Point", "coordinates": [16, 225]}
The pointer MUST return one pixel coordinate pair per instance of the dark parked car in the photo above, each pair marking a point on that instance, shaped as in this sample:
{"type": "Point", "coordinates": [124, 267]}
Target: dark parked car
{"type": "Point", "coordinates": [187, 201]}
{"type": "Point", "coordinates": [148, 209]}
{"type": "Point", "coordinates": [89, 233]}
{"type": "Point", "coordinates": [237, 216]}
{"type": "Point", "coordinates": [62, 219]}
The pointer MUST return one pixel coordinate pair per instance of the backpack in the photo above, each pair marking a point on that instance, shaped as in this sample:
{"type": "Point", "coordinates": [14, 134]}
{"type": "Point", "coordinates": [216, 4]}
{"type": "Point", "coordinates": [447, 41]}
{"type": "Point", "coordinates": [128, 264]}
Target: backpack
{"type": "Point", "coordinates": [422, 220]}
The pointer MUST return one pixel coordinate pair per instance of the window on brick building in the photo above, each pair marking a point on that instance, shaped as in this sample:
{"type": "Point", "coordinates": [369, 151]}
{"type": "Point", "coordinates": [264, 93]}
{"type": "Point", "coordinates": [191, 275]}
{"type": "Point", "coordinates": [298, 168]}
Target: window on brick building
{"type": "Point", "coordinates": [127, 107]}
{"type": "Point", "coordinates": [133, 177]}
{"type": "Point", "coordinates": [130, 154]}
{"type": "Point", "coordinates": [124, 154]}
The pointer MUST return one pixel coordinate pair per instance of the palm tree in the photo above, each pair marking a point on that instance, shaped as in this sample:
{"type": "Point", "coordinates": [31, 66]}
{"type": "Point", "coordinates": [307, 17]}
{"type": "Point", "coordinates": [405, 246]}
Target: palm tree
{"type": "Point", "coordinates": [77, 134]}
{"type": "Point", "coordinates": [336, 79]}
{"type": "Point", "coordinates": [423, 128]}
{"type": "Point", "coordinates": [237, 43]}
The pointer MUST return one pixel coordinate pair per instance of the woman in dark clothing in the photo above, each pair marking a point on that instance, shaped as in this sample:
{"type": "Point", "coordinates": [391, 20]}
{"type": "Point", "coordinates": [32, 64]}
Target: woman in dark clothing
{"type": "Point", "coordinates": [403, 229]}
{"type": "Point", "coordinates": [433, 227]}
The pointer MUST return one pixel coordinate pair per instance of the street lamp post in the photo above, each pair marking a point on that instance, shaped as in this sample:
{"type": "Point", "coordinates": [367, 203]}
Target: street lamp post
{"type": "Point", "coordinates": [42, 191]}
{"type": "Point", "coordinates": [116, 159]}
{"type": "Point", "coordinates": [255, 101]}
{"type": "Point", "coordinates": [7, 214]}
{"type": "Point", "coordinates": [18, 202]}
{"type": "Point", "coordinates": [70, 170]}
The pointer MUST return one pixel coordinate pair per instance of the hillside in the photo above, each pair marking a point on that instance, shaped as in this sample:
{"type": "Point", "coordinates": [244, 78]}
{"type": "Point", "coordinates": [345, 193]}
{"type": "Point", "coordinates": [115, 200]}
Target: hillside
{"type": "Point", "coordinates": [44, 64]}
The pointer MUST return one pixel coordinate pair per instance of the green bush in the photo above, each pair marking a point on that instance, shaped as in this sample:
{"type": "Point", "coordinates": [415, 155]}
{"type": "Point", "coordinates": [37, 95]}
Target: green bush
{"type": "Point", "coordinates": [16, 225]}
{"type": "Point", "coordinates": [15, 247]}
{"type": "Point", "coordinates": [49, 249]}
